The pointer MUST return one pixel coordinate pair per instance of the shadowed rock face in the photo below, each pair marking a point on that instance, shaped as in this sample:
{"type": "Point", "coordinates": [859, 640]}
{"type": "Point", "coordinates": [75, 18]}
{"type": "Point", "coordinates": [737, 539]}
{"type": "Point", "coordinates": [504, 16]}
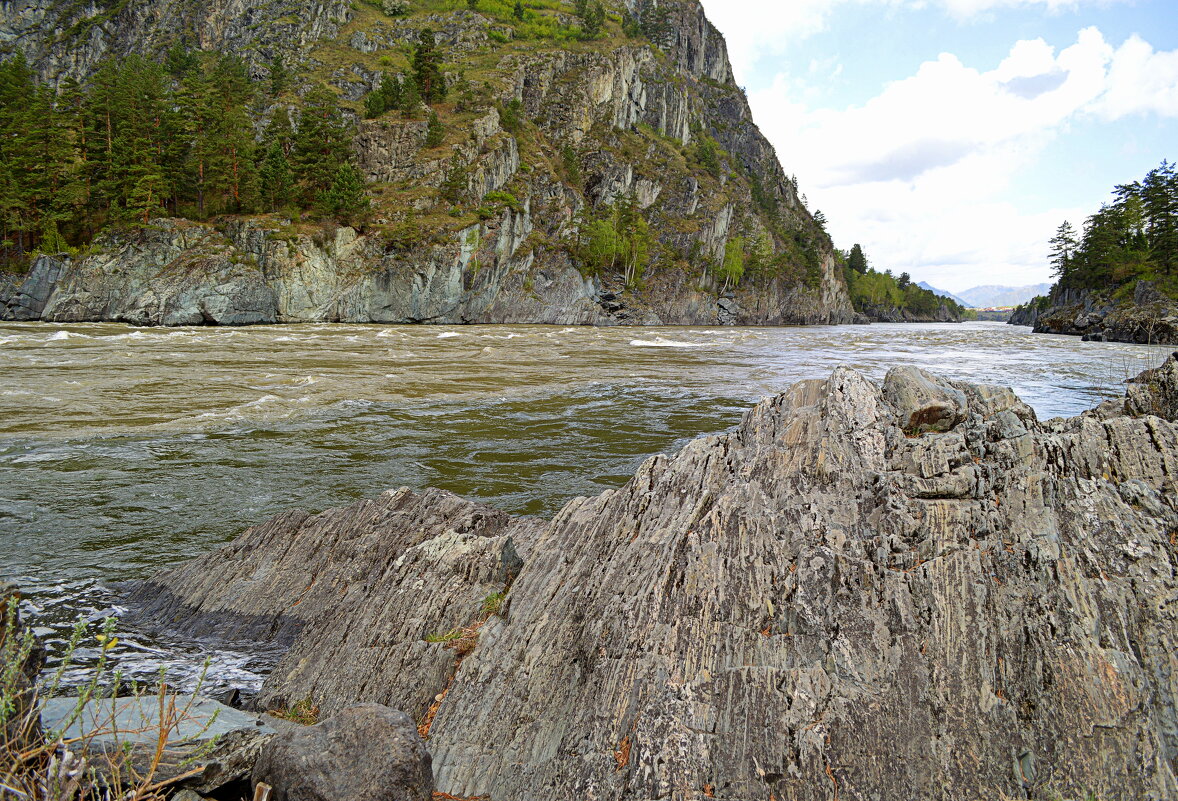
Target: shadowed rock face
{"type": "Point", "coordinates": [816, 605]}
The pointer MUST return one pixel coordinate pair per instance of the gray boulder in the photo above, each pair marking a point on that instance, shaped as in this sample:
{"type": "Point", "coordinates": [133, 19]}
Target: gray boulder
{"type": "Point", "coordinates": [923, 403]}
{"type": "Point", "coordinates": [205, 743]}
{"type": "Point", "coordinates": [363, 753]}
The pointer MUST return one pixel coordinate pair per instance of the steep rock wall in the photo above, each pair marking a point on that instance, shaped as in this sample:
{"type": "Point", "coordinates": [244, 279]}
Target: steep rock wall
{"type": "Point", "coordinates": [629, 113]}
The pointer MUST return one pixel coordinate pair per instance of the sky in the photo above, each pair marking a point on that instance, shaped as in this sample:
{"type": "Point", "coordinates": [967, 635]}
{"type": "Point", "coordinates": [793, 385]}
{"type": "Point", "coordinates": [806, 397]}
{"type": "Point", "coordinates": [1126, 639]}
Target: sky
{"type": "Point", "coordinates": [950, 138]}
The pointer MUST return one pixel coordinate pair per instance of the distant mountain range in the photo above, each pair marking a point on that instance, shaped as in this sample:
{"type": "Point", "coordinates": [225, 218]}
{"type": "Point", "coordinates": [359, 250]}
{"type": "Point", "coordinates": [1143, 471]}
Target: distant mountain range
{"type": "Point", "coordinates": [942, 292]}
{"type": "Point", "coordinates": [983, 297]}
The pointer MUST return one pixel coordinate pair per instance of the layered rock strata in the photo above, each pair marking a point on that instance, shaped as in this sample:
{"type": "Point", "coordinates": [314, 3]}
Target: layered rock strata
{"type": "Point", "coordinates": [914, 590]}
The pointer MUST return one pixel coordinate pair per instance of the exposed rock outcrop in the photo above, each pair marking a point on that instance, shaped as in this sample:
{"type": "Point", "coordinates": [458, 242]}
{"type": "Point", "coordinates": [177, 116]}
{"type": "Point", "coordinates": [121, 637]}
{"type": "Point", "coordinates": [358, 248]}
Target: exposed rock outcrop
{"type": "Point", "coordinates": [364, 752]}
{"type": "Point", "coordinates": [1148, 318]}
{"type": "Point", "coordinates": [891, 314]}
{"type": "Point", "coordinates": [177, 272]}
{"type": "Point", "coordinates": [917, 590]}
{"type": "Point", "coordinates": [485, 226]}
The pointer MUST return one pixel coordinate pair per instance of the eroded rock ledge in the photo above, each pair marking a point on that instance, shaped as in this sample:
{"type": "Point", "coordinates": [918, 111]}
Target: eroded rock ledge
{"type": "Point", "coordinates": [917, 590]}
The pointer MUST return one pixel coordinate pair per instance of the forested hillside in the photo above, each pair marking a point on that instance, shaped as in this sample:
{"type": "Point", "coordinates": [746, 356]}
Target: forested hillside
{"type": "Point", "coordinates": [146, 138]}
{"type": "Point", "coordinates": [1135, 237]}
{"type": "Point", "coordinates": [886, 297]}
{"type": "Point", "coordinates": [544, 161]}
{"type": "Point", "coordinates": [1117, 279]}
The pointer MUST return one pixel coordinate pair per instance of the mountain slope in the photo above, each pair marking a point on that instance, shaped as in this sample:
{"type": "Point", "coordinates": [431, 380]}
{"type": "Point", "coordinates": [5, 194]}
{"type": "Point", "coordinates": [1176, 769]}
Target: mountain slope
{"type": "Point", "coordinates": [989, 295]}
{"type": "Point", "coordinates": [548, 134]}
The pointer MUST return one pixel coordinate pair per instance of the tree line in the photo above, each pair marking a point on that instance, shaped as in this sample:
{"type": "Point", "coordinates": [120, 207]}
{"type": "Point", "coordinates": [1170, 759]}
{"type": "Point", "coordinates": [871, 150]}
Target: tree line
{"type": "Point", "coordinates": [1133, 237]}
{"type": "Point", "coordinates": [872, 290]}
{"type": "Point", "coordinates": [179, 137]}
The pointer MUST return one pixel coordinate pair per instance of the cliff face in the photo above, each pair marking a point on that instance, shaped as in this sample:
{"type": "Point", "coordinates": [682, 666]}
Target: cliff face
{"type": "Point", "coordinates": [1149, 317]}
{"type": "Point", "coordinates": [484, 227]}
{"type": "Point", "coordinates": [914, 590]}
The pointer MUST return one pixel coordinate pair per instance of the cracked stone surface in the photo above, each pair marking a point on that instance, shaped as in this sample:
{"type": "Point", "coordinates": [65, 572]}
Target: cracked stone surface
{"type": "Point", "coordinates": [914, 591]}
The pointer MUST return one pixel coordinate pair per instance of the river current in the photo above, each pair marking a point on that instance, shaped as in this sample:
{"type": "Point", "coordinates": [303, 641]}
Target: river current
{"type": "Point", "coordinates": [124, 449]}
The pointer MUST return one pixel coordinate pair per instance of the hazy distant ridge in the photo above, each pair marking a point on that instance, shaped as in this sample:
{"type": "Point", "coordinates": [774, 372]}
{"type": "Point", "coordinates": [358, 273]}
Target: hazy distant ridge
{"type": "Point", "coordinates": [982, 297]}
{"type": "Point", "coordinates": [942, 292]}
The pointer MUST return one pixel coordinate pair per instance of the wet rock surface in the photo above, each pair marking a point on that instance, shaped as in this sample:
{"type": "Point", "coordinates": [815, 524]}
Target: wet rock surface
{"type": "Point", "coordinates": [362, 753]}
{"type": "Point", "coordinates": [848, 596]}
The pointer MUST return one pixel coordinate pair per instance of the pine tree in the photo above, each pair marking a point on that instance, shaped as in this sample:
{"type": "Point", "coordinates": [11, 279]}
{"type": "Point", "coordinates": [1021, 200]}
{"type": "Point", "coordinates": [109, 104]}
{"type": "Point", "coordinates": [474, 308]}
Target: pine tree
{"type": "Point", "coordinates": [518, 11]}
{"type": "Point", "coordinates": [279, 77]}
{"type": "Point", "coordinates": [857, 261]}
{"type": "Point", "coordinates": [279, 131]}
{"type": "Point", "coordinates": [346, 198]}
{"type": "Point", "coordinates": [592, 19]}
{"type": "Point", "coordinates": [427, 68]}
{"type": "Point", "coordinates": [1159, 194]}
{"type": "Point", "coordinates": [385, 97]}
{"type": "Point", "coordinates": [276, 178]}
{"type": "Point", "coordinates": [198, 108]}
{"type": "Point", "coordinates": [410, 100]}
{"type": "Point", "coordinates": [322, 142]}
{"type": "Point", "coordinates": [1063, 247]}
{"type": "Point", "coordinates": [434, 132]}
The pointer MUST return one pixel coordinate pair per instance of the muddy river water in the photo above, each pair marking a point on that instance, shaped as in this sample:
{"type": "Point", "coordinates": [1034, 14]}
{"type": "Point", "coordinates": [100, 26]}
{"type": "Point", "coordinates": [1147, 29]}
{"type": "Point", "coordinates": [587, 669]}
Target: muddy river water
{"type": "Point", "coordinates": [124, 449]}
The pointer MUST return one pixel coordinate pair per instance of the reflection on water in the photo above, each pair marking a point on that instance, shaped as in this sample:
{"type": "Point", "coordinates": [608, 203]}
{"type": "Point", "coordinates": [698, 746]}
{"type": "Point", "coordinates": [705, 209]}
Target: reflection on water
{"type": "Point", "coordinates": [125, 449]}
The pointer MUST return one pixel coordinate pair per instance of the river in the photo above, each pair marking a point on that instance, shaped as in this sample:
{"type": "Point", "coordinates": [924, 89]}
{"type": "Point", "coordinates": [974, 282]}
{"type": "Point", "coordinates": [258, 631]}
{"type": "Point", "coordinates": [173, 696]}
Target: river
{"type": "Point", "coordinates": [123, 449]}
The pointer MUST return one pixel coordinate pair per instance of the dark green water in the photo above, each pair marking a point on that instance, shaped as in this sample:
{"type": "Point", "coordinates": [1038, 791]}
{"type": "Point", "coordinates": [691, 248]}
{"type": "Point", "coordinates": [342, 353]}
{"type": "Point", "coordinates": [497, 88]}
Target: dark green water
{"type": "Point", "coordinates": [122, 450]}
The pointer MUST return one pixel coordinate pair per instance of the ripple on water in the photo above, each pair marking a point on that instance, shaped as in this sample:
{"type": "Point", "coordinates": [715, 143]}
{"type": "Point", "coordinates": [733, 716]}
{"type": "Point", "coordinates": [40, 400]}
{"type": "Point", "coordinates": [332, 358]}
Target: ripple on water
{"type": "Point", "coordinates": [163, 444]}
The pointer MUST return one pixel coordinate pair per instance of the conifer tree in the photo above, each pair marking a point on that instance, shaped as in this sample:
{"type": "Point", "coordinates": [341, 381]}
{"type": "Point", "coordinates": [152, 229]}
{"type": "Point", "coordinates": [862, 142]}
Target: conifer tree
{"type": "Point", "coordinates": [322, 142]}
{"type": "Point", "coordinates": [857, 261]}
{"type": "Point", "coordinates": [427, 68]}
{"type": "Point", "coordinates": [410, 100]}
{"type": "Point", "coordinates": [345, 199]}
{"type": "Point", "coordinates": [279, 77]}
{"type": "Point", "coordinates": [434, 132]}
{"type": "Point", "coordinates": [276, 178]}
{"type": "Point", "coordinates": [1063, 246]}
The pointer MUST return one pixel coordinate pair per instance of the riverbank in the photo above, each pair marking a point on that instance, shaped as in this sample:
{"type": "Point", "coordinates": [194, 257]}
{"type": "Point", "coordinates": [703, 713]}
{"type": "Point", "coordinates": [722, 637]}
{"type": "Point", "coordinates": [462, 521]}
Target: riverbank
{"type": "Point", "coordinates": [779, 608]}
{"type": "Point", "coordinates": [1149, 317]}
{"type": "Point", "coordinates": [248, 271]}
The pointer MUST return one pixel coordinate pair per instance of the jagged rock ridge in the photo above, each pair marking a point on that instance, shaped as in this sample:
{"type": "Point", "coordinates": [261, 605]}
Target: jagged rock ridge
{"type": "Point", "coordinates": [917, 590]}
{"type": "Point", "coordinates": [629, 113]}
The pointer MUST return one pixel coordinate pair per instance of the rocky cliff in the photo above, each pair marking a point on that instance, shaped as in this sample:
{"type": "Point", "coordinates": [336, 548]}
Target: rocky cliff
{"type": "Point", "coordinates": [914, 590]}
{"type": "Point", "coordinates": [483, 227]}
{"type": "Point", "coordinates": [1147, 318]}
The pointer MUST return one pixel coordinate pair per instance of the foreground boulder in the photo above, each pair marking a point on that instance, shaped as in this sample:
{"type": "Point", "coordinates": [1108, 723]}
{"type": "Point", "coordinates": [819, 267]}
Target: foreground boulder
{"type": "Point", "coordinates": [363, 753]}
{"type": "Point", "coordinates": [192, 739]}
{"type": "Point", "coordinates": [914, 591]}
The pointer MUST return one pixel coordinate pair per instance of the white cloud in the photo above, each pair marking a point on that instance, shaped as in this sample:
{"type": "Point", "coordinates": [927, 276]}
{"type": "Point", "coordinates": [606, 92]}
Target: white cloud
{"type": "Point", "coordinates": [755, 29]}
{"type": "Point", "coordinates": [921, 173]}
